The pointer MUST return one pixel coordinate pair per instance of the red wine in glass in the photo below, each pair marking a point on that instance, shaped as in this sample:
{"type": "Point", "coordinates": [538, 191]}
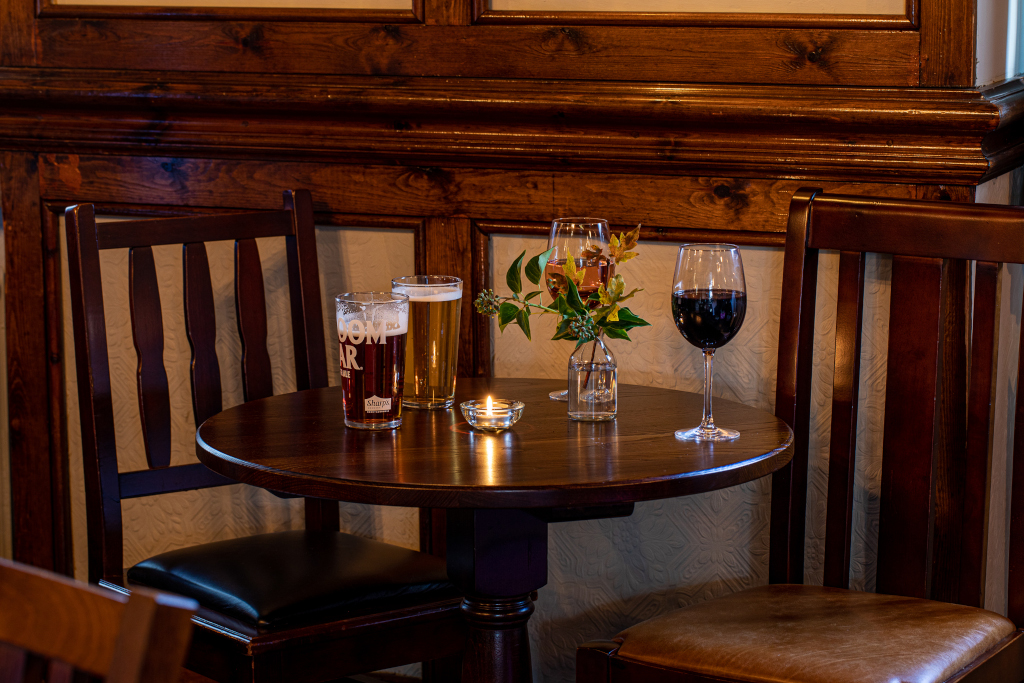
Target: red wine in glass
{"type": "Point", "coordinates": [708, 319]}
{"type": "Point", "coordinates": [709, 302]}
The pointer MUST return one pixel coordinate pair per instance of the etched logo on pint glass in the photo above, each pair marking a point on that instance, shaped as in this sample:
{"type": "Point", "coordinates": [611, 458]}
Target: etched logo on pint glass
{"type": "Point", "coordinates": [432, 353]}
{"type": "Point", "coordinates": [372, 328]}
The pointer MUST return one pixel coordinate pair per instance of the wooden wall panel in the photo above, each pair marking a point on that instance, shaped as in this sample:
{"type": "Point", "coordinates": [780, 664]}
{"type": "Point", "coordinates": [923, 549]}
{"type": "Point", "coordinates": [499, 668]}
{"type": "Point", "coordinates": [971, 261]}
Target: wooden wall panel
{"type": "Point", "coordinates": [739, 204]}
{"type": "Point", "coordinates": [38, 477]}
{"type": "Point", "coordinates": [821, 57]}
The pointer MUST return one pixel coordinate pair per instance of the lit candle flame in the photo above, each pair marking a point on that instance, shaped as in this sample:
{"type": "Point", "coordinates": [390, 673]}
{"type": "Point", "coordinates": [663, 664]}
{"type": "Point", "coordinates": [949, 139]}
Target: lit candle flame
{"type": "Point", "coordinates": [490, 406]}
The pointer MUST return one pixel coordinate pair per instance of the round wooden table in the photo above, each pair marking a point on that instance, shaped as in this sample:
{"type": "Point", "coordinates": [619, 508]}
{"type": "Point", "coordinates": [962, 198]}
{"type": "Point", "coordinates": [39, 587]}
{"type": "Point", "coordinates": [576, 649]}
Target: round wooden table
{"type": "Point", "coordinates": [501, 490]}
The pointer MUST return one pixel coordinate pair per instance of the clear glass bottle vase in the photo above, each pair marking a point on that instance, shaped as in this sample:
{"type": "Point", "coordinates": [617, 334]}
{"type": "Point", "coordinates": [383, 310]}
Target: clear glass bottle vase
{"type": "Point", "coordinates": [593, 383]}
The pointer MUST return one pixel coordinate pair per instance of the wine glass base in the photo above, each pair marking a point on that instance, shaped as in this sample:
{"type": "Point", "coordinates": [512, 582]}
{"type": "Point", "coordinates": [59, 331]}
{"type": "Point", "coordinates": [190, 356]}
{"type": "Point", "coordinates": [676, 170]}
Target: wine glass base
{"type": "Point", "coordinates": [562, 395]}
{"type": "Point", "coordinates": [700, 434]}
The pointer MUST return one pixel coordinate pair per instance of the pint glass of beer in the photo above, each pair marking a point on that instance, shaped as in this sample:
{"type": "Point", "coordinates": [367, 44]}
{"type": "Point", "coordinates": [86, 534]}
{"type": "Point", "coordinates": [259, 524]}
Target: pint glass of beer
{"type": "Point", "coordinates": [435, 303]}
{"type": "Point", "coordinates": [372, 327]}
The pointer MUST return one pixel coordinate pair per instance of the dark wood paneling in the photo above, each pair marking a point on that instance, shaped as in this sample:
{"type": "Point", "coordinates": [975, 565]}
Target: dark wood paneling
{"type": "Point", "coordinates": [947, 43]}
{"type": "Point", "coordinates": [17, 33]}
{"type": "Point", "coordinates": [59, 467]}
{"type": "Point", "coordinates": [896, 135]}
{"type": "Point", "coordinates": [32, 477]}
{"type": "Point", "coordinates": [819, 57]}
{"type": "Point", "coordinates": [687, 202]}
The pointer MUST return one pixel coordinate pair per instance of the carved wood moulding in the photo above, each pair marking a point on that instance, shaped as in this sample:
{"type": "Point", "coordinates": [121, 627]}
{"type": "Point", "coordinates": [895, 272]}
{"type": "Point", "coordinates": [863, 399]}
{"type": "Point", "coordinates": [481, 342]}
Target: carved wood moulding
{"type": "Point", "coordinates": [956, 136]}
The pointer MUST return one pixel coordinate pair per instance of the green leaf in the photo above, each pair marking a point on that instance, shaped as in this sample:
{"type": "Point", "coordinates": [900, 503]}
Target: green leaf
{"type": "Point", "coordinates": [626, 315]}
{"type": "Point", "coordinates": [506, 314]}
{"type": "Point", "coordinates": [573, 298]}
{"type": "Point", "coordinates": [523, 320]}
{"type": "Point", "coordinates": [562, 332]}
{"type": "Point", "coordinates": [563, 308]}
{"type": "Point", "coordinates": [627, 320]}
{"type": "Point", "coordinates": [513, 277]}
{"type": "Point", "coordinates": [531, 295]}
{"type": "Point", "coordinates": [535, 266]}
{"type": "Point", "coordinates": [616, 333]}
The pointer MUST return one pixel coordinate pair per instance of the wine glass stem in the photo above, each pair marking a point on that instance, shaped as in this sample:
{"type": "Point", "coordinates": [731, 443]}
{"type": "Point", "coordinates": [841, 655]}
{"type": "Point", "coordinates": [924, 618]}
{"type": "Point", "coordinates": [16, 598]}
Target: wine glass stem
{"type": "Point", "coordinates": [708, 423]}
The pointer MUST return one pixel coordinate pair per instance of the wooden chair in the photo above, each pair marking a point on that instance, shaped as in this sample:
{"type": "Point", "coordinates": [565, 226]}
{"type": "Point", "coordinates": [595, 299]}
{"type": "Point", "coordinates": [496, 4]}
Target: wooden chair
{"type": "Point", "coordinates": [301, 606]}
{"type": "Point", "coordinates": [812, 634]}
{"type": "Point", "coordinates": [52, 627]}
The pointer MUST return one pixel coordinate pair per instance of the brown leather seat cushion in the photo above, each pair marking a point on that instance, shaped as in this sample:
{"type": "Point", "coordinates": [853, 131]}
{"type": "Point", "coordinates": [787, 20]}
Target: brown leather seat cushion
{"type": "Point", "coordinates": [809, 634]}
{"type": "Point", "coordinates": [293, 577]}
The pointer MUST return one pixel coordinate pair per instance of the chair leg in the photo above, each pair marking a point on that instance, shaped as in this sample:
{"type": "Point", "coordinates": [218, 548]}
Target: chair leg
{"type": "Point", "coordinates": [444, 670]}
{"type": "Point", "coordinates": [593, 661]}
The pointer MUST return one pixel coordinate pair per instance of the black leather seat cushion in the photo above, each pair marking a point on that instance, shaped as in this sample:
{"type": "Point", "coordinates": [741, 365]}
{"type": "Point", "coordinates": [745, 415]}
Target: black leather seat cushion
{"type": "Point", "coordinates": [294, 577]}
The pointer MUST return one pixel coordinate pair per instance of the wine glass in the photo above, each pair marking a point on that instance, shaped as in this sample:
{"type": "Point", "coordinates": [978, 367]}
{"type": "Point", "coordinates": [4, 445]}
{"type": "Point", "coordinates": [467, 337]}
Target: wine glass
{"type": "Point", "coordinates": [709, 302]}
{"type": "Point", "coordinates": [585, 240]}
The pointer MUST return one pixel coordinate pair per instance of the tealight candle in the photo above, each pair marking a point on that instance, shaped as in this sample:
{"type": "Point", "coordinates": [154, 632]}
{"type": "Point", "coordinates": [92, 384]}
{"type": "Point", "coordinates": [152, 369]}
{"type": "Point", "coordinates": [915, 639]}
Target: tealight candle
{"type": "Point", "coordinates": [492, 415]}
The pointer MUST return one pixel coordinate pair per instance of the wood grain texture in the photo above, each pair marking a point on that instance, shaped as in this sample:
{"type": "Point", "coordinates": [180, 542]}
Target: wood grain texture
{"type": "Point", "coordinates": [951, 437]}
{"type": "Point", "coordinates": [907, 516]}
{"type": "Point", "coordinates": [201, 330]}
{"type": "Point", "coordinates": [99, 445]}
{"type": "Point", "coordinates": [978, 439]}
{"type": "Point", "coordinates": [32, 511]}
{"type": "Point", "coordinates": [17, 33]}
{"type": "Point", "coordinates": [251, 308]}
{"type": "Point", "coordinates": [843, 443]}
{"type": "Point", "coordinates": [812, 56]}
{"type": "Point", "coordinates": [704, 203]}
{"type": "Point", "coordinates": [947, 43]}
{"type": "Point", "coordinates": [148, 337]}
{"type": "Point", "coordinates": [900, 134]}
{"type": "Point", "coordinates": [93, 631]}
{"type": "Point", "coordinates": [60, 487]}
{"type": "Point", "coordinates": [792, 403]}
{"type": "Point", "coordinates": [434, 460]}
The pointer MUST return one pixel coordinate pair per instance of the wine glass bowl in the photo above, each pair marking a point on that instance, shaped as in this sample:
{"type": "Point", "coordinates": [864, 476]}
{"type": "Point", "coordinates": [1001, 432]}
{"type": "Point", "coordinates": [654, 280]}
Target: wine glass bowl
{"type": "Point", "coordinates": [709, 303]}
{"type": "Point", "coordinates": [585, 241]}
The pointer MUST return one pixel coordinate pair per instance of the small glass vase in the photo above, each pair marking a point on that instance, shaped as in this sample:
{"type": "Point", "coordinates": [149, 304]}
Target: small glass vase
{"type": "Point", "coordinates": [593, 383]}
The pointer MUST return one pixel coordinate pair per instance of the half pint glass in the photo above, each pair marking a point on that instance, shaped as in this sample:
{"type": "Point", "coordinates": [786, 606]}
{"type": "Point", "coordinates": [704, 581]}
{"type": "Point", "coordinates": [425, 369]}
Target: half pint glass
{"type": "Point", "coordinates": [372, 327]}
{"type": "Point", "coordinates": [435, 304]}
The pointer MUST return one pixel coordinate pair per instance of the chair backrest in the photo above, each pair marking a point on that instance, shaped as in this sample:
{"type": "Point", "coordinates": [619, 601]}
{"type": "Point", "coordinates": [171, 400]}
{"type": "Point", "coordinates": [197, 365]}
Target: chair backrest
{"type": "Point", "coordinates": [105, 486]}
{"type": "Point", "coordinates": [51, 627]}
{"type": "Point", "coordinates": [919, 235]}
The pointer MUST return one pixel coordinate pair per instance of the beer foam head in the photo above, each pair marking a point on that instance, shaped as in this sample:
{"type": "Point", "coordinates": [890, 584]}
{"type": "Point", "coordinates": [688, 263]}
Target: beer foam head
{"type": "Point", "coordinates": [428, 287]}
{"type": "Point", "coordinates": [379, 309]}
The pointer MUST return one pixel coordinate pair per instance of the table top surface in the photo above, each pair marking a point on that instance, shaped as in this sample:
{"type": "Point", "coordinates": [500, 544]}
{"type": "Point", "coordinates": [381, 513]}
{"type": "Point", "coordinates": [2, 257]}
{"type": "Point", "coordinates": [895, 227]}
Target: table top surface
{"type": "Point", "coordinates": [298, 443]}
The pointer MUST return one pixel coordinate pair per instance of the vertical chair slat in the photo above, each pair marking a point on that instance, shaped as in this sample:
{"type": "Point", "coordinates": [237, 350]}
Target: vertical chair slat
{"type": "Point", "coordinates": [307, 327]}
{"type": "Point", "coordinates": [979, 424]}
{"type": "Point", "coordinates": [792, 401]}
{"type": "Point", "coordinates": [251, 306]}
{"type": "Point", "coordinates": [908, 475]}
{"type": "Point", "coordinates": [201, 329]}
{"type": "Point", "coordinates": [148, 337]}
{"type": "Point", "coordinates": [306, 303]}
{"type": "Point", "coordinates": [102, 489]}
{"type": "Point", "coordinates": [843, 447]}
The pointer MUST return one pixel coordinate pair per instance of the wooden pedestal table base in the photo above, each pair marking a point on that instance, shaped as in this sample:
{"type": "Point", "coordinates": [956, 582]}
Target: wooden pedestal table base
{"type": "Point", "coordinates": [500, 490]}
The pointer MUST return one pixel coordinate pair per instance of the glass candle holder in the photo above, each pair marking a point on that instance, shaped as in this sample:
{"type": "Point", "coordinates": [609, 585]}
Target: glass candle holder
{"type": "Point", "coordinates": [492, 415]}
